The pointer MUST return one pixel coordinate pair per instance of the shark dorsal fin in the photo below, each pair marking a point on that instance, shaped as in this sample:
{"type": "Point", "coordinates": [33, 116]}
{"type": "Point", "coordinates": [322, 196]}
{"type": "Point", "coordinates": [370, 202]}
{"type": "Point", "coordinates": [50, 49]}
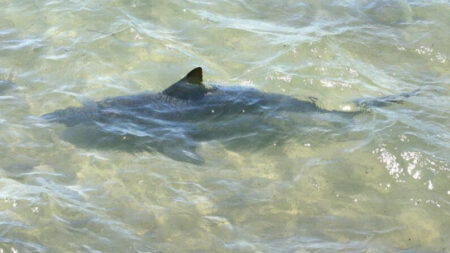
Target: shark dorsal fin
{"type": "Point", "coordinates": [195, 76]}
{"type": "Point", "coordinates": [189, 87]}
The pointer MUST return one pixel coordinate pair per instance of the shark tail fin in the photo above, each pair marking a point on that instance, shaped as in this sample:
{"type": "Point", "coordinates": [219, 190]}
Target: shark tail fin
{"type": "Point", "coordinates": [386, 100]}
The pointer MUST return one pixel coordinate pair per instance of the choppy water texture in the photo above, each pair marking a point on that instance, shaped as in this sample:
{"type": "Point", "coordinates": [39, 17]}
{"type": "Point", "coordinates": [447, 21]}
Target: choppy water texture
{"type": "Point", "coordinates": [382, 185]}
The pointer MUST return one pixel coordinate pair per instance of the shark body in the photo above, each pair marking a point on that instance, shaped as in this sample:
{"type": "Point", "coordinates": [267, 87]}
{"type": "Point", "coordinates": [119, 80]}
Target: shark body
{"type": "Point", "coordinates": [174, 121]}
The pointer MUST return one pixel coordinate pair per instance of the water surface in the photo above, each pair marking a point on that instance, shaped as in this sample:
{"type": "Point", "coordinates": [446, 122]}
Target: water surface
{"type": "Point", "coordinates": [379, 185]}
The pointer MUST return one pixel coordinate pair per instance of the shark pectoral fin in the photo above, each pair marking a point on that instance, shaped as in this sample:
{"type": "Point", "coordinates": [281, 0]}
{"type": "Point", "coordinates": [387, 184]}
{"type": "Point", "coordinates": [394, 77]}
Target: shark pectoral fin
{"type": "Point", "coordinates": [178, 146]}
{"type": "Point", "coordinates": [189, 87]}
{"type": "Point", "coordinates": [182, 154]}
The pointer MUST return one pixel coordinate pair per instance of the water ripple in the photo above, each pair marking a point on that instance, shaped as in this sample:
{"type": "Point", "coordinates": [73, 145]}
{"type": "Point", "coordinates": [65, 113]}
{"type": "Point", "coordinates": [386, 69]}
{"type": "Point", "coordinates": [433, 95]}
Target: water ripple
{"type": "Point", "coordinates": [377, 182]}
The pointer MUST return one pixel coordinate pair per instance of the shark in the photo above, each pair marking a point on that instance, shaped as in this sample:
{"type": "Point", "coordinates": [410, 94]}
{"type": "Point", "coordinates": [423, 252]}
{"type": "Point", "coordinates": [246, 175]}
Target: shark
{"type": "Point", "coordinates": [176, 120]}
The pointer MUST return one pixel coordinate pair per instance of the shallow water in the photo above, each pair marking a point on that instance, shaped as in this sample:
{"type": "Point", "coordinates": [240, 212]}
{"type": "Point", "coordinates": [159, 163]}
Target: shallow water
{"type": "Point", "coordinates": [381, 184]}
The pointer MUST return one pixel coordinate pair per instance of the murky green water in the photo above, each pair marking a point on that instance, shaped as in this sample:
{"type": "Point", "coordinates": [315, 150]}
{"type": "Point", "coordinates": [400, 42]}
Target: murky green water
{"type": "Point", "coordinates": [379, 185]}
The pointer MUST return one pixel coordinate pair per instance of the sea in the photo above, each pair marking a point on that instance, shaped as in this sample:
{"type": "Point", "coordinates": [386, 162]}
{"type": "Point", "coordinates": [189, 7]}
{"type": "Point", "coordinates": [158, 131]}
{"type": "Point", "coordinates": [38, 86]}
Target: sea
{"type": "Point", "coordinates": [378, 183]}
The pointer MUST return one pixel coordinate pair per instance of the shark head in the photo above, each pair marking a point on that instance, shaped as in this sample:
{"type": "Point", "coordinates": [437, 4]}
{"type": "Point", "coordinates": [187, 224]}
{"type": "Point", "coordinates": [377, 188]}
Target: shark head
{"type": "Point", "coordinates": [189, 87]}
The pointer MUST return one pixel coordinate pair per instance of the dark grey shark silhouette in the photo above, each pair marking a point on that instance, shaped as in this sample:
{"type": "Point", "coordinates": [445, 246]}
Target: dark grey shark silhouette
{"type": "Point", "coordinates": [174, 121]}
